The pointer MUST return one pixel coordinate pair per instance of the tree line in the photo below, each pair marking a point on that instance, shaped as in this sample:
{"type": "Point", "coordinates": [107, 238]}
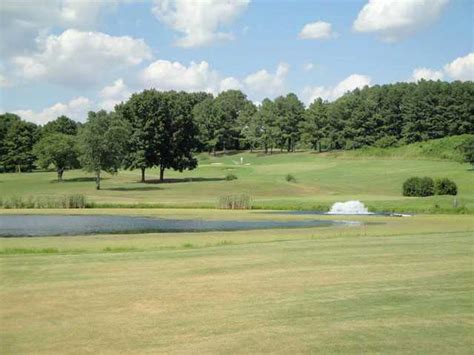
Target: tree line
{"type": "Point", "coordinates": [164, 129]}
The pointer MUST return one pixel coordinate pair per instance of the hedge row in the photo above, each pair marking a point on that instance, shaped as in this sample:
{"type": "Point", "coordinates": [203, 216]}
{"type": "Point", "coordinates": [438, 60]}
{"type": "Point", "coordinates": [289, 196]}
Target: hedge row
{"type": "Point", "coordinates": [426, 186]}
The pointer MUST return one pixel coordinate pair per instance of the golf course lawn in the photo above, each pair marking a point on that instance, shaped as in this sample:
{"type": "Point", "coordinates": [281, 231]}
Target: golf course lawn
{"type": "Point", "coordinates": [390, 285]}
{"type": "Point", "coordinates": [321, 180]}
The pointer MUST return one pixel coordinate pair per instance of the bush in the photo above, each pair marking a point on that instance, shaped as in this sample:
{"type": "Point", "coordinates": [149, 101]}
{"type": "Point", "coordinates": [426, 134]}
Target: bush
{"type": "Point", "coordinates": [290, 178]}
{"type": "Point", "coordinates": [235, 202]}
{"type": "Point", "coordinates": [386, 142]}
{"type": "Point", "coordinates": [420, 187]}
{"type": "Point", "coordinates": [230, 177]}
{"type": "Point", "coordinates": [445, 187]}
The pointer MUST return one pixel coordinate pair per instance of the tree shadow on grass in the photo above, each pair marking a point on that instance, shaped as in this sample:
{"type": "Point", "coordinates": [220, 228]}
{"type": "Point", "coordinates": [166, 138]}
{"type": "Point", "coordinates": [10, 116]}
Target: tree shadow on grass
{"type": "Point", "coordinates": [174, 181]}
{"type": "Point", "coordinates": [133, 188]}
{"type": "Point", "coordinates": [80, 179]}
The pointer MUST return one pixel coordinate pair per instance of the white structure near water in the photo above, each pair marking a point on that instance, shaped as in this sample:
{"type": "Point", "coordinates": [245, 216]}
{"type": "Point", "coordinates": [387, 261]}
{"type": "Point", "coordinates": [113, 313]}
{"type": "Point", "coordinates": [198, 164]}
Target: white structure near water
{"type": "Point", "coordinates": [349, 207]}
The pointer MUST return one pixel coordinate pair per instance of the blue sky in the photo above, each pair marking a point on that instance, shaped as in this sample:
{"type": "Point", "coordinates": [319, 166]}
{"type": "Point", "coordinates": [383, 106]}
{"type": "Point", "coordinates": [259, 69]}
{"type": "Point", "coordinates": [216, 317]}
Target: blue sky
{"type": "Point", "coordinates": [68, 57]}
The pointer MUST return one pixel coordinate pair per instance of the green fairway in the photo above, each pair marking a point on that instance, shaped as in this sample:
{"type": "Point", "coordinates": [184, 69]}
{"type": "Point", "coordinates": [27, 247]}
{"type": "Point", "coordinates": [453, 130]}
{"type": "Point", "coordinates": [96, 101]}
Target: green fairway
{"type": "Point", "coordinates": [392, 285]}
{"type": "Point", "coordinates": [320, 180]}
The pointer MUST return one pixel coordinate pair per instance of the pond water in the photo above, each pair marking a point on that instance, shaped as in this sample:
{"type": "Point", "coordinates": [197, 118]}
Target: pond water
{"type": "Point", "coordinates": [53, 225]}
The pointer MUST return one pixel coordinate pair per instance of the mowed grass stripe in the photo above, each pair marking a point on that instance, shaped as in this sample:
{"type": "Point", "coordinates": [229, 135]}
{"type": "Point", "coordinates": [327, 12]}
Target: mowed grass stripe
{"type": "Point", "coordinates": [365, 294]}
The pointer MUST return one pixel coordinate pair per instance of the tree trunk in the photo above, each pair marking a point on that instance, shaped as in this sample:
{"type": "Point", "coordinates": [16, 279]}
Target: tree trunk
{"type": "Point", "coordinates": [319, 146]}
{"type": "Point", "coordinates": [266, 148]}
{"type": "Point", "coordinates": [60, 172]}
{"type": "Point", "coordinates": [97, 180]}
{"type": "Point", "coordinates": [162, 173]}
{"type": "Point", "coordinates": [143, 175]}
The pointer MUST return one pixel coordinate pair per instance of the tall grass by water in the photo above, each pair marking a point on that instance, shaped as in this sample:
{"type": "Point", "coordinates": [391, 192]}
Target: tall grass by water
{"type": "Point", "coordinates": [235, 202]}
{"type": "Point", "coordinates": [66, 201]}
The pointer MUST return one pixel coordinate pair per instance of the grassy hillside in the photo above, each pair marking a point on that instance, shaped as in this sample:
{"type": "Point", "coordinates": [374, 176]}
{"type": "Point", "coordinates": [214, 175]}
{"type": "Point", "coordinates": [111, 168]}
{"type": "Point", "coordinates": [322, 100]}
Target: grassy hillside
{"type": "Point", "coordinates": [443, 148]}
{"type": "Point", "coordinates": [321, 179]}
{"type": "Point", "coordinates": [402, 285]}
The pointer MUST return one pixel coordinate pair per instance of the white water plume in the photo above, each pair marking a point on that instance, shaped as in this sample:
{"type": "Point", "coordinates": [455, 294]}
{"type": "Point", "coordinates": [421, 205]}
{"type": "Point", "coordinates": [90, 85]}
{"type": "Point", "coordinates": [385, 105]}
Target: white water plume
{"type": "Point", "coordinates": [349, 207]}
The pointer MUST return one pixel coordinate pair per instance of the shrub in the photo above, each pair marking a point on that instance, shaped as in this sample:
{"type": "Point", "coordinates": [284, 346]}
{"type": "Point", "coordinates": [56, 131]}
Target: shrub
{"type": "Point", "coordinates": [445, 187]}
{"type": "Point", "coordinates": [420, 187]}
{"type": "Point", "coordinates": [290, 178]}
{"type": "Point", "coordinates": [235, 202]}
{"type": "Point", "coordinates": [386, 142]}
{"type": "Point", "coordinates": [230, 177]}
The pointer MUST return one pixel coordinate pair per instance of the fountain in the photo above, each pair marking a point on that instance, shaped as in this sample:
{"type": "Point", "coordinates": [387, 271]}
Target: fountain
{"type": "Point", "coordinates": [349, 207]}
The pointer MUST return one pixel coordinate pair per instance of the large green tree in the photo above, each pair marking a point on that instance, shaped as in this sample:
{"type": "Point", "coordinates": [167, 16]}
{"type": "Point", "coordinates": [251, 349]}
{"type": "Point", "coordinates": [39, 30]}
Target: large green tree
{"type": "Point", "coordinates": [163, 132]}
{"type": "Point", "coordinates": [102, 143]}
{"type": "Point", "coordinates": [17, 145]}
{"type": "Point", "coordinates": [59, 150]}
{"type": "Point", "coordinates": [6, 120]}
{"type": "Point", "coordinates": [62, 124]}
{"type": "Point", "coordinates": [289, 112]}
{"type": "Point", "coordinates": [222, 119]}
{"type": "Point", "coordinates": [312, 127]}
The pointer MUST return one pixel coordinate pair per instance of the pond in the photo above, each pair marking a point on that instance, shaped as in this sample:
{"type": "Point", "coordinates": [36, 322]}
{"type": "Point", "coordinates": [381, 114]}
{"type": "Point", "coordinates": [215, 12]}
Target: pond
{"type": "Point", "coordinates": [55, 225]}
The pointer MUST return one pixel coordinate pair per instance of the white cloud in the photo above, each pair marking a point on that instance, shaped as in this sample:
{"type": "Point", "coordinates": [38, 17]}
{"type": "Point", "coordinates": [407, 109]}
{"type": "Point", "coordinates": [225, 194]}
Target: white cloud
{"type": "Point", "coordinates": [264, 83]}
{"type": "Point", "coordinates": [78, 58]}
{"type": "Point", "coordinates": [114, 94]}
{"type": "Point", "coordinates": [310, 93]}
{"type": "Point", "coordinates": [426, 74]}
{"type": "Point", "coordinates": [308, 66]}
{"type": "Point", "coordinates": [76, 109]}
{"type": "Point", "coordinates": [461, 68]}
{"type": "Point", "coordinates": [199, 76]}
{"type": "Point", "coordinates": [23, 21]}
{"type": "Point", "coordinates": [166, 75]}
{"type": "Point", "coordinates": [199, 21]}
{"type": "Point", "coordinates": [4, 82]}
{"type": "Point", "coordinates": [393, 20]}
{"type": "Point", "coordinates": [230, 83]}
{"type": "Point", "coordinates": [317, 30]}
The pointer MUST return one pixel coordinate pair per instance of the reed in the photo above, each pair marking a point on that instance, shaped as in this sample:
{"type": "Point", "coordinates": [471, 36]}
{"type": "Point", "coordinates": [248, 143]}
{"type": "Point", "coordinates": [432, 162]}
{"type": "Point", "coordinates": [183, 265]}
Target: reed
{"type": "Point", "coordinates": [235, 202]}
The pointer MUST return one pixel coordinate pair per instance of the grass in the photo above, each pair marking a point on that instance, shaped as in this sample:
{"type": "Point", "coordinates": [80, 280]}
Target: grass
{"type": "Point", "coordinates": [68, 201]}
{"type": "Point", "coordinates": [399, 285]}
{"type": "Point", "coordinates": [321, 180]}
{"type": "Point", "coordinates": [235, 202]}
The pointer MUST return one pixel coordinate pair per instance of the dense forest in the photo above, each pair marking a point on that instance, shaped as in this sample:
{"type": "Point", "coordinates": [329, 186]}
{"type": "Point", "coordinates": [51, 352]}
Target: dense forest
{"type": "Point", "coordinates": [164, 128]}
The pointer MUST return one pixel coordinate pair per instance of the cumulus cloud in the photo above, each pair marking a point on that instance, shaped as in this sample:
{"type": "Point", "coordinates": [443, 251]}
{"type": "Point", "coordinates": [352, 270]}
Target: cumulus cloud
{"type": "Point", "coordinates": [78, 58]}
{"type": "Point", "coordinates": [4, 82]}
{"type": "Point", "coordinates": [113, 94]}
{"type": "Point", "coordinates": [317, 30]}
{"type": "Point", "coordinates": [426, 74]}
{"type": "Point", "coordinates": [461, 68]}
{"type": "Point", "coordinates": [76, 109]}
{"type": "Point", "coordinates": [263, 83]}
{"type": "Point", "coordinates": [392, 20]}
{"type": "Point", "coordinates": [230, 83]}
{"type": "Point", "coordinates": [310, 93]}
{"type": "Point", "coordinates": [199, 76]}
{"type": "Point", "coordinates": [23, 21]}
{"type": "Point", "coordinates": [166, 75]}
{"type": "Point", "coordinates": [199, 22]}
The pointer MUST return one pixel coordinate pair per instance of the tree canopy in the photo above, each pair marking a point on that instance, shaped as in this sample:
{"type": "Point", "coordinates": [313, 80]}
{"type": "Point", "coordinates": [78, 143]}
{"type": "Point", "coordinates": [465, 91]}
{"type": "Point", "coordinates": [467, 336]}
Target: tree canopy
{"type": "Point", "coordinates": [102, 143]}
{"type": "Point", "coordinates": [57, 149]}
{"type": "Point", "coordinates": [165, 128]}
